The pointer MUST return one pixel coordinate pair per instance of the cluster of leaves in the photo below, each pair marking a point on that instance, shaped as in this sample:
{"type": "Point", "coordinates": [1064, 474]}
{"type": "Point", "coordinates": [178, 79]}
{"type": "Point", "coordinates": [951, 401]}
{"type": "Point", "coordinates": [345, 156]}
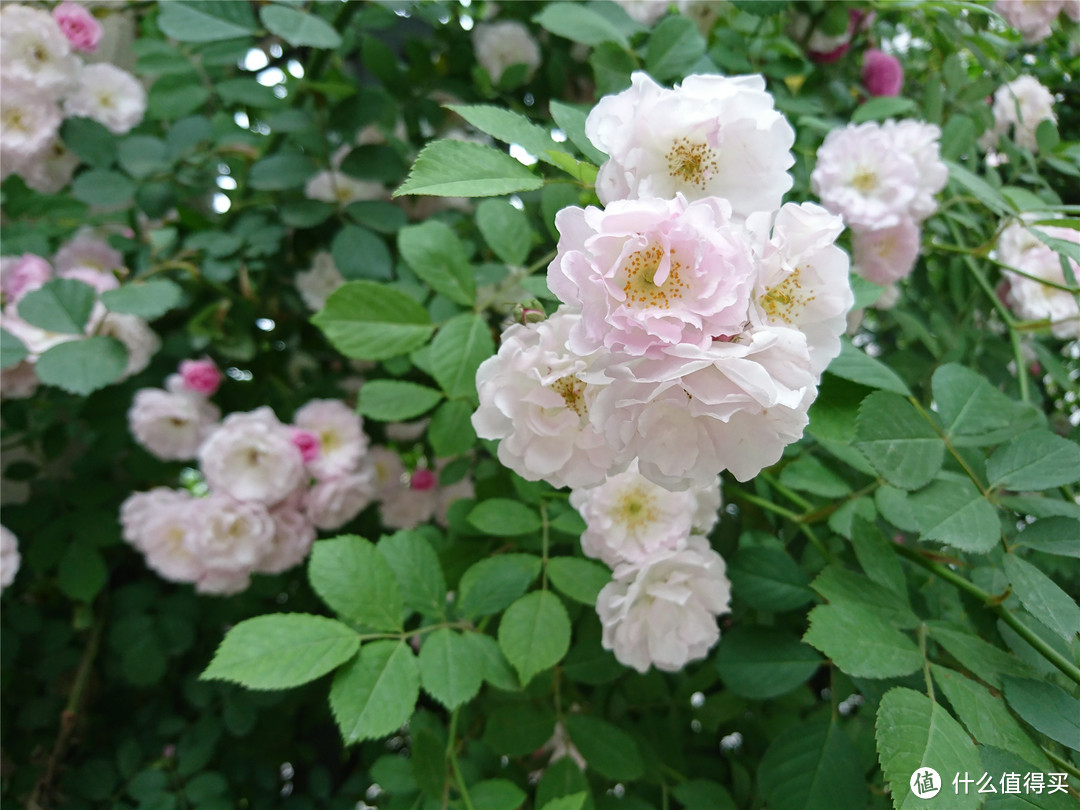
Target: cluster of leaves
{"type": "Point", "coordinates": [900, 580]}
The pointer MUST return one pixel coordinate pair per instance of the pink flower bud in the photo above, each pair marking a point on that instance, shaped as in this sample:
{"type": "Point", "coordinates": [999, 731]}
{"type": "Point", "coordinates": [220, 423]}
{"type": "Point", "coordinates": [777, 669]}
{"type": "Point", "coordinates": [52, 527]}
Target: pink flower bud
{"type": "Point", "coordinates": [882, 74]}
{"type": "Point", "coordinates": [201, 376]}
{"type": "Point", "coordinates": [79, 26]}
{"type": "Point", "coordinates": [308, 442]}
{"type": "Point", "coordinates": [422, 480]}
{"type": "Point", "coordinates": [25, 274]}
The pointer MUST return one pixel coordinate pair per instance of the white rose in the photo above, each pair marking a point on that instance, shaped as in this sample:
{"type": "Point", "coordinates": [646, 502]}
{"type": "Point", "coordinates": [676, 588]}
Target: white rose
{"type": "Point", "coordinates": [251, 456]}
{"type": "Point", "coordinates": [503, 44]}
{"type": "Point", "coordinates": [333, 502]}
{"type": "Point", "coordinates": [339, 428]}
{"type": "Point", "coordinates": [108, 95]}
{"type": "Point", "coordinates": [171, 425]}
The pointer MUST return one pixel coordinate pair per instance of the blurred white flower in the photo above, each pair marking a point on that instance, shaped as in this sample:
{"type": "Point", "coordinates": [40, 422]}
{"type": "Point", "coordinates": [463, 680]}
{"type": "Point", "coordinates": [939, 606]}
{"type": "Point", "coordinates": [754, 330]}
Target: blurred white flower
{"type": "Point", "coordinates": [111, 96]}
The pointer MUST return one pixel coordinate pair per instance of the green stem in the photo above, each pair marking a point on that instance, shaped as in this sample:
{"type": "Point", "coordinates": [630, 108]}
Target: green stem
{"type": "Point", "coordinates": [545, 539]}
{"type": "Point", "coordinates": [1061, 762]}
{"type": "Point", "coordinates": [794, 497]}
{"type": "Point", "coordinates": [1070, 670]}
{"type": "Point", "coordinates": [926, 662]}
{"type": "Point", "coordinates": [795, 517]}
{"type": "Point", "coordinates": [451, 754]}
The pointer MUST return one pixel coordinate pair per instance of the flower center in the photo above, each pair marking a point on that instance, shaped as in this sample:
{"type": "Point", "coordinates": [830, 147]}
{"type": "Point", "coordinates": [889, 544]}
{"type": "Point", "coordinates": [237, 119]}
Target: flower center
{"type": "Point", "coordinates": [635, 508]}
{"type": "Point", "coordinates": [865, 180]}
{"type": "Point", "coordinates": [328, 440]}
{"type": "Point", "coordinates": [784, 301]}
{"type": "Point", "coordinates": [693, 163]}
{"type": "Point", "coordinates": [641, 287]}
{"type": "Point", "coordinates": [572, 390]}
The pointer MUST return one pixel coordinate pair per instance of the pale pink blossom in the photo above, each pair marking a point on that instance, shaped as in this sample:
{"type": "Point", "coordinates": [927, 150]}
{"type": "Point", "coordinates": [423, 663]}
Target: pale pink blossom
{"type": "Point", "coordinates": [221, 582]}
{"type": "Point", "coordinates": [406, 508]}
{"type": "Point", "coordinates": [921, 143]}
{"type": "Point", "coordinates": [333, 502]}
{"type": "Point", "coordinates": [712, 136]}
{"type": "Point", "coordinates": [1019, 107]}
{"type": "Point", "coordinates": [49, 169]}
{"type": "Point", "coordinates": [171, 425]}
{"type": "Point", "coordinates": [160, 524]}
{"type": "Point", "coordinates": [339, 428]}
{"type": "Point", "coordinates": [9, 557]}
{"type": "Point", "coordinates": [645, 12]}
{"type": "Point", "coordinates": [19, 381]}
{"type": "Point", "coordinates": [78, 25]}
{"type": "Point", "coordinates": [649, 274]}
{"type": "Point", "coordinates": [708, 499]}
{"type": "Point", "coordinates": [33, 49]}
{"type": "Point", "coordinates": [387, 470]}
{"type": "Point", "coordinates": [111, 96]}
{"type": "Point", "coordinates": [101, 282]}
{"type": "Point", "coordinates": [291, 543]}
{"type": "Point", "coordinates": [1032, 18]}
{"type": "Point", "coordinates": [87, 250]}
{"type": "Point", "coordinates": [887, 255]}
{"type": "Point", "coordinates": [316, 285]}
{"type": "Point", "coordinates": [251, 456]}
{"type": "Point", "coordinates": [1029, 298]}
{"type": "Point", "coordinates": [664, 613]}
{"type": "Point", "coordinates": [200, 376]}
{"type": "Point", "coordinates": [882, 73]}
{"type": "Point", "coordinates": [23, 274]}
{"type": "Point", "coordinates": [29, 121]}
{"type": "Point", "coordinates": [231, 535]}
{"type": "Point", "coordinates": [501, 45]}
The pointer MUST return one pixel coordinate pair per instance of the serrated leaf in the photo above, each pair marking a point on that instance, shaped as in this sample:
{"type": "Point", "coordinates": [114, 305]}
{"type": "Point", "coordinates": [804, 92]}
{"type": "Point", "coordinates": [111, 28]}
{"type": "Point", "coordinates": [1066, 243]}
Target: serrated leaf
{"type": "Point", "coordinates": [895, 506]}
{"type": "Point", "coordinates": [984, 659]}
{"type": "Point", "coordinates": [581, 580]}
{"type": "Point", "coordinates": [509, 127]}
{"type": "Point", "coordinates": [1037, 459]}
{"type": "Point", "coordinates": [497, 794]}
{"type": "Point", "coordinates": [461, 345]}
{"type": "Point", "coordinates": [506, 230]}
{"type": "Point", "coordinates": [812, 766]}
{"type": "Point", "coordinates": [898, 441]}
{"type": "Point", "coordinates": [913, 732]}
{"type": "Point", "coordinates": [495, 668]}
{"type": "Point", "coordinates": [12, 350]}
{"type": "Point", "coordinates": [147, 299]}
{"type": "Point", "coordinates": [281, 171]}
{"type": "Point", "coordinates": [356, 582]}
{"type": "Point", "coordinates": [674, 46]}
{"type": "Point", "coordinates": [280, 651]}
{"type": "Point", "coordinates": [853, 364]}
{"type": "Point", "coordinates": [973, 412]}
{"type": "Point", "coordinates": [375, 694]}
{"type": "Point", "coordinates": [396, 400]}
{"type": "Point", "coordinates": [1046, 707]}
{"type": "Point", "coordinates": [451, 432]}
{"type": "Point", "coordinates": [807, 474]}
{"type": "Point", "coordinates": [434, 252]}
{"type": "Point", "coordinates": [492, 584]}
{"type": "Point", "coordinates": [877, 558]}
{"type": "Point", "coordinates": [417, 571]}
{"type": "Point", "coordinates": [764, 662]}
{"type": "Point", "coordinates": [579, 24]}
{"type": "Point", "coordinates": [504, 517]}
{"type": "Point", "coordinates": [842, 587]}
{"type": "Point", "coordinates": [1052, 535]}
{"type": "Point", "coordinates": [1043, 597]}
{"type": "Point", "coordinates": [572, 121]}
{"type": "Point", "coordinates": [607, 749]}
{"type": "Point", "coordinates": [768, 579]}
{"type": "Point", "coordinates": [62, 305]}
{"type": "Point", "coordinates": [954, 512]}
{"type": "Point", "coordinates": [459, 169]}
{"type": "Point", "coordinates": [206, 21]}
{"type": "Point", "coordinates": [996, 761]}
{"type": "Point", "coordinates": [299, 29]}
{"type": "Point", "coordinates": [449, 670]}
{"type": "Point", "coordinates": [534, 633]}
{"type": "Point", "coordinates": [83, 366]}
{"type": "Point", "coordinates": [360, 254]}
{"type": "Point", "coordinates": [370, 321]}
{"type": "Point", "coordinates": [861, 644]}
{"type": "Point", "coordinates": [572, 801]}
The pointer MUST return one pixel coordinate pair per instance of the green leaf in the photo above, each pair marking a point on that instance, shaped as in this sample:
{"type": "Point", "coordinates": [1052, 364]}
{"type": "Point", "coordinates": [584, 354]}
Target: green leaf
{"type": "Point", "coordinates": [674, 46]}
{"type": "Point", "coordinates": [764, 662]}
{"type": "Point", "coordinates": [914, 732]}
{"type": "Point", "coordinates": [1052, 535]}
{"type": "Point", "coordinates": [509, 127]}
{"type": "Point", "coordinates": [82, 573]}
{"type": "Point", "coordinates": [573, 801]}
{"type": "Point", "coordinates": [370, 321]}
{"type": "Point", "coordinates": [861, 644]}
{"type": "Point", "coordinates": [12, 350]}
{"type": "Point", "coordinates": [62, 305]}
{"type": "Point", "coordinates": [607, 749]}
{"type": "Point", "coordinates": [898, 441]}
{"type": "Point", "coordinates": [807, 474]}
{"type": "Point", "coordinates": [878, 109]}
{"type": "Point", "coordinates": [506, 230]}
{"type": "Point", "coordinates": [812, 766]}
{"type": "Point", "coordinates": [492, 584]}
{"type": "Point", "coordinates": [877, 558]}
{"type": "Point", "coordinates": [281, 650]}
{"type": "Point", "coordinates": [147, 299]}
{"type": "Point", "coordinates": [1037, 459]}
{"type": "Point", "coordinates": [996, 761]}
{"type": "Point", "coordinates": [102, 187]}
{"type": "Point", "coordinates": [356, 582]}
{"type": "Point", "coordinates": [174, 96]}
{"type": "Point", "coordinates": [975, 413]}
{"type": "Point", "coordinates": [768, 579]}
{"type": "Point", "coordinates": [1046, 707]}
{"type": "Point", "coordinates": [534, 633]}
{"type": "Point", "coordinates": [375, 694]}
{"type": "Point", "coordinates": [986, 717]}
{"type": "Point", "coordinates": [571, 120]}
{"type": "Point", "coordinates": [701, 794]}
{"type": "Point", "coordinates": [396, 400]}
{"type": "Point", "coordinates": [854, 365]}
{"type": "Point", "coordinates": [206, 21]}
{"type": "Point", "coordinates": [417, 571]}
{"type": "Point", "coordinates": [436, 255]}
{"type": "Point", "coordinates": [497, 794]}
{"type": "Point", "coordinates": [895, 506]}
{"type": "Point", "coordinates": [1042, 597]}
{"type": "Point", "coordinates": [91, 141]}
{"type": "Point", "coordinates": [360, 254]}
{"type": "Point", "coordinates": [449, 670]}
{"type": "Point", "coordinates": [461, 345]}
{"type": "Point", "coordinates": [299, 29]}
{"type": "Point", "coordinates": [982, 658]}
{"type": "Point", "coordinates": [954, 512]}
{"type": "Point", "coordinates": [493, 664]}
{"type": "Point", "coordinates": [842, 587]}
{"type": "Point", "coordinates": [979, 188]}
{"type": "Point", "coordinates": [450, 431]}
{"type": "Point", "coordinates": [504, 517]}
{"type": "Point", "coordinates": [611, 66]}
{"type": "Point", "coordinates": [581, 580]}
{"type": "Point", "coordinates": [458, 169]}
{"type": "Point", "coordinates": [143, 155]}
{"type": "Point", "coordinates": [247, 92]}
{"type": "Point", "coordinates": [83, 366]}
{"type": "Point", "coordinates": [282, 171]}
{"type": "Point", "coordinates": [579, 24]}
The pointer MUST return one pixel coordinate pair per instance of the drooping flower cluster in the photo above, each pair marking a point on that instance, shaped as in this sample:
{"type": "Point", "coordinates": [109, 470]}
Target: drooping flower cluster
{"type": "Point", "coordinates": [697, 317]}
{"type": "Point", "coordinates": [1032, 18]}
{"type": "Point", "coordinates": [269, 485]}
{"type": "Point", "coordinates": [42, 81]}
{"type": "Point", "coordinates": [1019, 107]}
{"type": "Point", "coordinates": [87, 259]}
{"type": "Point", "coordinates": [1029, 298]}
{"type": "Point", "coordinates": [882, 178]}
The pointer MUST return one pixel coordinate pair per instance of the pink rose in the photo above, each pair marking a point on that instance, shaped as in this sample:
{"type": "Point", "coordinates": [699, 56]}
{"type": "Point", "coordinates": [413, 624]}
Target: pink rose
{"type": "Point", "coordinates": [200, 376]}
{"type": "Point", "coordinates": [78, 25]}
{"type": "Point", "coordinates": [25, 274]}
{"type": "Point", "coordinates": [882, 74]}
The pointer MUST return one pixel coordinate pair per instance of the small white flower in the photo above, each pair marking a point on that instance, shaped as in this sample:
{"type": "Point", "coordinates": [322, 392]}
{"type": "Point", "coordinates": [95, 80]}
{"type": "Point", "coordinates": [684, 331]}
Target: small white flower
{"type": "Point", "coordinates": [138, 338]}
{"type": "Point", "coordinates": [1031, 18]}
{"type": "Point", "coordinates": [293, 538]}
{"type": "Point", "coordinates": [111, 96]}
{"type": "Point", "coordinates": [171, 425]}
{"type": "Point", "coordinates": [231, 535]}
{"type": "Point", "coordinates": [1028, 297]}
{"type": "Point", "coordinates": [341, 189]}
{"type": "Point", "coordinates": [160, 524]}
{"type": "Point", "coordinates": [1020, 106]}
{"type": "Point", "coordinates": [29, 121]}
{"type": "Point", "coordinates": [342, 442]}
{"type": "Point", "coordinates": [886, 255]}
{"type": "Point", "coordinates": [316, 285]}
{"type": "Point", "coordinates": [503, 44]}
{"type": "Point", "coordinates": [51, 169]}
{"type": "Point", "coordinates": [9, 557]}
{"type": "Point", "coordinates": [35, 50]}
{"type": "Point", "coordinates": [251, 456]}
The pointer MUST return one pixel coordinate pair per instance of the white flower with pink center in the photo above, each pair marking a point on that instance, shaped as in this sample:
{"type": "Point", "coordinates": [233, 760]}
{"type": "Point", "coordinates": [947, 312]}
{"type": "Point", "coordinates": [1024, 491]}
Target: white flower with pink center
{"type": "Point", "coordinates": [536, 397]}
{"type": "Point", "coordinates": [886, 255]}
{"type": "Point", "coordinates": [111, 96]}
{"type": "Point", "coordinates": [251, 456]}
{"type": "Point", "coordinates": [713, 136]}
{"type": "Point", "coordinates": [340, 432]}
{"type": "Point", "coordinates": [650, 274]}
{"type": "Point", "coordinates": [663, 613]}
{"type": "Point", "coordinates": [171, 425]}
{"type": "Point", "coordinates": [629, 518]}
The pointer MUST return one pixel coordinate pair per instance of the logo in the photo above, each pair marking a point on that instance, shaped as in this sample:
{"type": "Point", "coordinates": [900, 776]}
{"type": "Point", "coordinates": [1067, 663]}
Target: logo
{"type": "Point", "coordinates": [925, 783]}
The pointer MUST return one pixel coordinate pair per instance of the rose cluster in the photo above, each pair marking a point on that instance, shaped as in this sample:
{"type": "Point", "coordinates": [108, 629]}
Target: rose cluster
{"type": "Point", "coordinates": [1027, 295]}
{"type": "Point", "coordinates": [882, 178]}
{"type": "Point", "coordinates": [1019, 107]}
{"type": "Point", "coordinates": [87, 259]}
{"type": "Point", "coordinates": [697, 316]}
{"type": "Point", "coordinates": [43, 81]}
{"type": "Point", "coordinates": [268, 485]}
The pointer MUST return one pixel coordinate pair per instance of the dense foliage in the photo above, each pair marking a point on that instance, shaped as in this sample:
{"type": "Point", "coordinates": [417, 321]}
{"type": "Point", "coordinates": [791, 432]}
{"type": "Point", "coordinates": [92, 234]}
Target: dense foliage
{"type": "Point", "coordinates": [353, 202]}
